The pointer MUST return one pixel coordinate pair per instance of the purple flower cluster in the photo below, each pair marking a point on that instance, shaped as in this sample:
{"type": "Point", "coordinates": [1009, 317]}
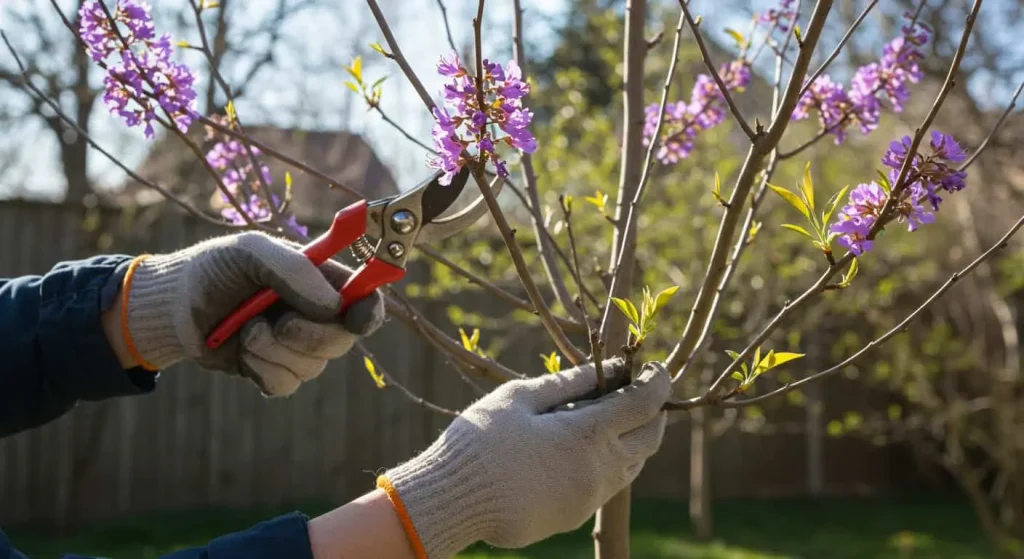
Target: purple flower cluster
{"type": "Point", "coordinates": [779, 18]}
{"type": "Point", "coordinates": [861, 105]}
{"type": "Point", "coordinates": [927, 174]}
{"type": "Point", "coordinates": [471, 111]}
{"type": "Point", "coordinates": [144, 72]}
{"type": "Point", "coordinates": [232, 161]}
{"type": "Point", "coordinates": [705, 110]}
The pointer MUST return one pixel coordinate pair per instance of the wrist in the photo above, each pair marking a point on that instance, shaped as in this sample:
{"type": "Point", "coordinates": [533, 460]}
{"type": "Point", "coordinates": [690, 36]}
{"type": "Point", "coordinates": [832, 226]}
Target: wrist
{"type": "Point", "coordinates": [365, 527]}
{"type": "Point", "coordinates": [112, 329]}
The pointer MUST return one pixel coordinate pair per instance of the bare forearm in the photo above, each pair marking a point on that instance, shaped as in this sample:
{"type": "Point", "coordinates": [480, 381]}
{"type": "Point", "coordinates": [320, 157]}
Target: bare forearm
{"type": "Point", "coordinates": [365, 527]}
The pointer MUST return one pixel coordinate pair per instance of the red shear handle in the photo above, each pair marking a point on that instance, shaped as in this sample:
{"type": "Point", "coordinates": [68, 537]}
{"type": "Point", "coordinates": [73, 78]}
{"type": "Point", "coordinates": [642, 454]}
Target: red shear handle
{"type": "Point", "coordinates": [349, 224]}
{"type": "Point", "coordinates": [371, 275]}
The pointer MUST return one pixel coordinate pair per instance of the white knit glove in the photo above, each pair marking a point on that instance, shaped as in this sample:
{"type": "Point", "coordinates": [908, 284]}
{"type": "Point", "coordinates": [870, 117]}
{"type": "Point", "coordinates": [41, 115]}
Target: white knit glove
{"type": "Point", "coordinates": [511, 471]}
{"type": "Point", "coordinates": [175, 300]}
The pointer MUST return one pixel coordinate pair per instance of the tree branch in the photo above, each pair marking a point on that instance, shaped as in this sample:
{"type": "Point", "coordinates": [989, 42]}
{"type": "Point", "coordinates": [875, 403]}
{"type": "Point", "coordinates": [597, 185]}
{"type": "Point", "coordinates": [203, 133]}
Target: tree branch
{"type": "Point", "coordinates": [1003, 242]}
{"type": "Point", "coordinates": [547, 255]}
{"type": "Point", "coordinates": [700, 318]}
{"type": "Point", "coordinates": [714, 73]}
{"type": "Point", "coordinates": [29, 86]}
{"type": "Point", "coordinates": [592, 335]}
{"type": "Point", "coordinates": [835, 52]}
{"type": "Point", "coordinates": [995, 129]}
{"type": "Point", "coordinates": [396, 54]}
{"type": "Point", "coordinates": [447, 28]}
{"type": "Point", "coordinates": [390, 381]}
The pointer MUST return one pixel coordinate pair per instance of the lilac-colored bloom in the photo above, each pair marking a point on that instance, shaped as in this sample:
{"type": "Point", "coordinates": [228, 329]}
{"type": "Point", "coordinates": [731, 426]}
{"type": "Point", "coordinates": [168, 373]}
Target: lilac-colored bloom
{"type": "Point", "coordinates": [449, 66]}
{"type": "Point", "coordinates": [463, 130]}
{"type": "Point", "coordinates": [857, 217]}
{"type": "Point", "coordinates": [684, 120]}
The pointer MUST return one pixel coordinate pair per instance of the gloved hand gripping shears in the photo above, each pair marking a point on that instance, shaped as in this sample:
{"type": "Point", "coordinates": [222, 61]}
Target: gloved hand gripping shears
{"type": "Point", "coordinates": [397, 223]}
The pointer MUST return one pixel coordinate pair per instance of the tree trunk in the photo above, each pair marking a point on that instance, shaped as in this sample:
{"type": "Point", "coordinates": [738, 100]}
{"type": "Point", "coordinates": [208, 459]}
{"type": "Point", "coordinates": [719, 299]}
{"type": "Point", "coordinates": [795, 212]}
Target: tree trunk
{"type": "Point", "coordinates": [74, 150]}
{"type": "Point", "coordinates": [611, 525]}
{"type": "Point", "coordinates": [700, 475]}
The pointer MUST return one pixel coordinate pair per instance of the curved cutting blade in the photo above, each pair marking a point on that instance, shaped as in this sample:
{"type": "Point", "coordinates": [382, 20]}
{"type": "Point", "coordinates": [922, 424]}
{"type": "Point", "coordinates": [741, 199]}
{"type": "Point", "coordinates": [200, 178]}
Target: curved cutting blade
{"type": "Point", "coordinates": [440, 228]}
{"type": "Point", "coordinates": [437, 198]}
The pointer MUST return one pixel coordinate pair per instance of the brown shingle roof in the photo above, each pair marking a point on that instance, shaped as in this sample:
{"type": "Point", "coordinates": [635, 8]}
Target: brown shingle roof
{"type": "Point", "coordinates": [344, 156]}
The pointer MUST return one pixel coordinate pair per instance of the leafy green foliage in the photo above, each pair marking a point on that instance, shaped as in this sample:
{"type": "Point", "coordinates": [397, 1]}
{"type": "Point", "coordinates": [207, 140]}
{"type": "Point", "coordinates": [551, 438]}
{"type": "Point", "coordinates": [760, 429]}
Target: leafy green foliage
{"type": "Point", "coordinates": [758, 365]}
{"type": "Point", "coordinates": [804, 203]}
{"type": "Point", "coordinates": [371, 93]}
{"type": "Point", "coordinates": [642, 322]}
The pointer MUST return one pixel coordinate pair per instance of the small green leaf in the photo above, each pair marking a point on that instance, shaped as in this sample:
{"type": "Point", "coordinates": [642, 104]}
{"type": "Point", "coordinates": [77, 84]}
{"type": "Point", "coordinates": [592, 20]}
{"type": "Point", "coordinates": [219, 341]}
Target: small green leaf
{"type": "Point", "coordinates": [796, 31]}
{"type": "Point", "coordinates": [734, 354]}
{"type": "Point", "coordinates": [738, 376]}
{"type": "Point", "coordinates": [230, 111]}
{"type": "Point", "coordinates": [757, 356]}
{"type": "Point", "coordinates": [793, 199]}
{"type": "Point", "coordinates": [883, 181]}
{"type": "Point", "coordinates": [356, 69]}
{"type": "Point", "coordinates": [767, 363]}
{"type": "Point", "coordinates": [832, 203]}
{"type": "Point", "coordinates": [628, 308]}
{"type": "Point", "coordinates": [378, 378]}
{"type": "Point", "coordinates": [851, 273]}
{"type": "Point", "coordinates": [662, 299]}
{"type": "Point", "coordinates": [352, 86]}
{"type": "Point", "coordinates": [754, 228]}
{"type": "Point", "coordinates": [379, 81]}
{"type": "Point", "coordinates": [599, 200]}
{"type": "Point", "coordinates": [784, 357]}
{"type": "Point", "coordinates": [183, 44]}
{"type": "Point", "coordinates": [635, 331]}
{"type": "Point", "coordinates": [380, 49]}
{"type": "Point", "coordinates": [736, 36]}
{"type": "Point", "coordinates": [798, 229]}
{"type": "Point", "coordinates": [567, 202]}
{"type": "Point", "coordinates": [552, 362]}
{"type": "Point", "coordinates": [807, 187]}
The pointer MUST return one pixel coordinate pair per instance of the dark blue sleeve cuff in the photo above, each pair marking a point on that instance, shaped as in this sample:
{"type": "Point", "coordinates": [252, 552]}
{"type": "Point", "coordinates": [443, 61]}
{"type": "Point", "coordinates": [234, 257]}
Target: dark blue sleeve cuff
{"type": "Point", "coordinates": [71, 331]}
{"type": "Point", "coordinates": [284, 536]}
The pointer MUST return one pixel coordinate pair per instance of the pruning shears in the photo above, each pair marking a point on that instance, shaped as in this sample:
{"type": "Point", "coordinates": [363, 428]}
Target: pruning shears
{"type": "Point", "coordinates": [397, 223]}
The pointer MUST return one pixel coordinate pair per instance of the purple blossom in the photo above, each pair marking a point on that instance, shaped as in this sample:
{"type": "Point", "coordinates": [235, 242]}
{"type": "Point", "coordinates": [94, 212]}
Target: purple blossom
{"type": "Point", "coordinates": [779, 18]}
{"type": "Point", "coordinates": [144, 73]}
{"type": "Point", "coordinates": [465, 130]}
{"type": "Point", "coordinates": [684, 120]}
{"type": "Point", "coordinates": [926, 175]}
{"type": "Point", "coordinates": [862, 106]}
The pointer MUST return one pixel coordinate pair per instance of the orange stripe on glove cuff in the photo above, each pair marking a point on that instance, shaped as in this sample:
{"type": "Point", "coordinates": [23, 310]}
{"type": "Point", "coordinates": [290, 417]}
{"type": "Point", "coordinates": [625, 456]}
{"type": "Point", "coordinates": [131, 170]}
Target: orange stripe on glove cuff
{"type": "Point", "coordinates": [126, 288]}
{"type": "Point", "coordinates": [403, 516]}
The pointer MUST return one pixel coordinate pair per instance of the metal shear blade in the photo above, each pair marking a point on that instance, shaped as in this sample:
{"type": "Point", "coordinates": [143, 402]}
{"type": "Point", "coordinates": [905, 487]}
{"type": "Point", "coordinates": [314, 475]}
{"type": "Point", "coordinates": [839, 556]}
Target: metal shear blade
{"type": "Point", "coordinates": [428, 200]}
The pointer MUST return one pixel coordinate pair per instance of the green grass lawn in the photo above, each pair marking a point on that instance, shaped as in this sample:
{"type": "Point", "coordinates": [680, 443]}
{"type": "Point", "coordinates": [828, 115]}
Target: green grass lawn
{"type": "Point", "coordinates": [837, 529]}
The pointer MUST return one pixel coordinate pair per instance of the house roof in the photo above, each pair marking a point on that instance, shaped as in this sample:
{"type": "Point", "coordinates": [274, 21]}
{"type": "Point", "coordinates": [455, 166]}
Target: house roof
{"type": "Point", "coordinates": [344, 156]}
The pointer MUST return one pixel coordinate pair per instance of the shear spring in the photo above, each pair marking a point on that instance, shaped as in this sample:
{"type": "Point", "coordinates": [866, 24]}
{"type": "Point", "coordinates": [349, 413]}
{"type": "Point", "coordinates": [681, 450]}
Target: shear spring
{"type": "Point", "coordinates": [362, 249]}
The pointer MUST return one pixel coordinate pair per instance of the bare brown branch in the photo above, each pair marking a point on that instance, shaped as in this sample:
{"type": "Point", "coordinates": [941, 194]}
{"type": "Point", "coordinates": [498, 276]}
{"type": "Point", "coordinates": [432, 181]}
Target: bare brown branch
{"type": "Point", "coordinates": [399, 58]}
{"type": "Point", "coordinates": [695, 27]}
{"type": "Point", "coordinates": [390, 381]}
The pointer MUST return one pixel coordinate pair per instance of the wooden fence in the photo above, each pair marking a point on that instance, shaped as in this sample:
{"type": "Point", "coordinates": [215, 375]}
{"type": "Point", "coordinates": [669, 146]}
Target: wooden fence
{"type": "Point", "coordinates": [206, 440]}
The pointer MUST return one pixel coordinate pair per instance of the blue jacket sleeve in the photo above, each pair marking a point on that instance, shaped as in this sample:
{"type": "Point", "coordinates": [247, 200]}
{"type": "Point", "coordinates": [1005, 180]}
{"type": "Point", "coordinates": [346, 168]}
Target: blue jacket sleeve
{"type": "Point", "coordinates": [55, 353]}
{"type": "Point", "coordinates": [284, 536]}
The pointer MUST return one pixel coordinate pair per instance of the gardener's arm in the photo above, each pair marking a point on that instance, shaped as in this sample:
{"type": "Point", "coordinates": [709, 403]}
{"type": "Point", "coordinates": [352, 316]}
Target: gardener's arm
{"type": "Point", "coordinates": [54, 349]}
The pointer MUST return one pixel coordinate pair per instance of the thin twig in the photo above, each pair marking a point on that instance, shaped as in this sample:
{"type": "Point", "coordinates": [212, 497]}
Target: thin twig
{"type": "Point", "coordinates": [390, 381]}
{"type": "Point", "coordinates": [490, 287]}
{"type": "Point", "coordinates": [554, 274]}
{"type": "Point", "coordinates": [594, 336]}
{"type": "Point", "coordinates": [571, 352]}
{"type": "Point", "coordinates": [396, 54]}
{"type": "Point", "coordinates": [267, 193]}
{"type": "Point", "coordinates": [271, 152]}
{"type": "Point", "coordinates": [630, 230]}
{"type": "Point", "coordinates": [414, 319]}
{"type": "Point", "coordinates": [1003, 242]}
{"type": "Point", "coordinates": [447, 27]}
{"type": "Point", "coordinates": [714, 73]}
{"type": "Point", "coordinates": [81, 132]}
{"type": "Point", "coordinates": [995, 129]}
{"type": "Point", "coordinates": [401, 130]}
{"type": "Point", "coordinates": [842, 42]}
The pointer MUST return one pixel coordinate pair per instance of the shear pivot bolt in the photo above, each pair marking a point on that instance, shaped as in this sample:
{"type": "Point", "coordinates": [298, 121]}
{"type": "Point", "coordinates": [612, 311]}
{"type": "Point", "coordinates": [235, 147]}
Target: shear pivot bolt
{"type": "Point", "coordinates": [403, 222]}
{"type": "Point", "coordinates": [396, 250]}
